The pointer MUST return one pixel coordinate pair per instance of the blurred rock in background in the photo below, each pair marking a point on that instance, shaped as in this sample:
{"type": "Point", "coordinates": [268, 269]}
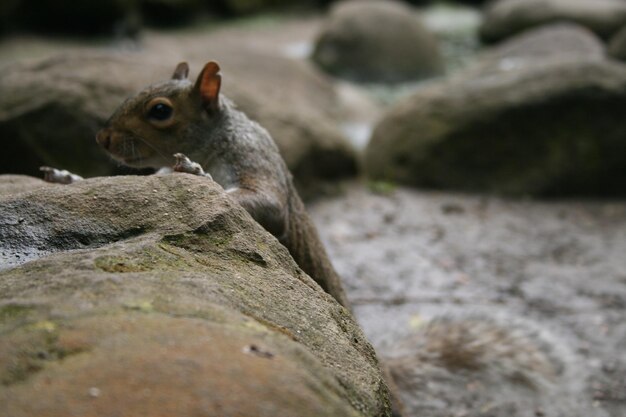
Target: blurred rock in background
{"type": "Point", "coordinates": [538, 115]}
{"type": "Point", "coordinates": [504, 18]}
{"type": "Point", "coordinates": [377, 41]}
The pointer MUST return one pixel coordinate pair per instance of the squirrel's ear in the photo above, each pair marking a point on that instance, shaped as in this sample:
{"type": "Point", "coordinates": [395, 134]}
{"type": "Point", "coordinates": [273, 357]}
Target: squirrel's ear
{"type": "Point", "coordinates": [181, 72]}
{"type": "Point", "coordinates": [208, 86]}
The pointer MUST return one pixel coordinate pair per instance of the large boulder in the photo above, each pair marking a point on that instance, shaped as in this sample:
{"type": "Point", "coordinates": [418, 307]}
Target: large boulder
{"type": "Point", "coordinates": [52, 108]}
{"type": "Point", "coordinates": [557, 41]}
{"type": "Point", "coordinates": [160, 296]}
{"type": "Point", "coordinates": [523, 121]}
{"type": "Point", "coordinates": [617, 46]}
{"type": "Point", "coordinates": [377, 41]}
{"type": "Point", "coordinates": [504, 18]}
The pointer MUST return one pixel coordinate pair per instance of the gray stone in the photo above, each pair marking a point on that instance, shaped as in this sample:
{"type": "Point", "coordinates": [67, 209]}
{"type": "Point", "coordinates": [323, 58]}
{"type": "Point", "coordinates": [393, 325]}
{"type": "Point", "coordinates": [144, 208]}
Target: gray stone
{"type": "Point", "coordinates": [556, 41]}
{"type": "Point", "coordinates": [504, 18]}
{"type": "Point", "coordinates": [159, 295]}
{"type": "Point", "coordinates": [522, 121]}
{"type": "Point", "coordinates": [532, 296]}
{"type": "Point", "coordinates": [377, 41]}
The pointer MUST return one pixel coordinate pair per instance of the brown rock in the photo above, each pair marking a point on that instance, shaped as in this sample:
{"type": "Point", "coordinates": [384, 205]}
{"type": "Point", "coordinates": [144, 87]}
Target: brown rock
{"type": "Point", "coordinates": [522, 121]}
{"type": "Point", "coordinates": [557, 41]}
{"type": "Point", "coordinates": [158, 296]}
{"type": "Point", "coordinates": [15, 184]}
{"type": "Point", "coordinates": [377, 41]}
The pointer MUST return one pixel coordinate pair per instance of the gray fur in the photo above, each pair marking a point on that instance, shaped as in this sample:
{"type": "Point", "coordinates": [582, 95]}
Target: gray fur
{"type": "Point", "coordinates": [238, 153]}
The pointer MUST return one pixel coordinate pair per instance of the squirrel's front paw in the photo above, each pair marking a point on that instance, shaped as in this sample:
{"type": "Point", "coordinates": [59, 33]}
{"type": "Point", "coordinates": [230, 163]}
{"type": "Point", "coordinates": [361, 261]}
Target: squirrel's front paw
{"type": "Point", "coordinates": [184, 164]}
{"type": "Point", "coordinates": [59, 176]}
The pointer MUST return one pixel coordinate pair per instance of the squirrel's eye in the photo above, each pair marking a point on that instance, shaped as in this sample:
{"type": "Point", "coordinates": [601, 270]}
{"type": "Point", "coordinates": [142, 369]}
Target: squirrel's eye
{"type": "Point", "coordinates": [160, 112]}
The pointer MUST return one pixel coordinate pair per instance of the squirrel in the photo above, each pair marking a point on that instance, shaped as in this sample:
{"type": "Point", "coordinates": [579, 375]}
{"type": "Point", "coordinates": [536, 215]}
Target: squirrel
{"type": "Point", "coordinates": [208, 136]}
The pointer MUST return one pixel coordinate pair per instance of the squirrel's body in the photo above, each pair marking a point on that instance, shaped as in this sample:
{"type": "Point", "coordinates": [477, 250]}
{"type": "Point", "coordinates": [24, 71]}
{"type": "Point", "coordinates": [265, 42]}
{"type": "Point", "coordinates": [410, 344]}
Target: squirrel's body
{"type": "Point", "coordinates": [179, 116]}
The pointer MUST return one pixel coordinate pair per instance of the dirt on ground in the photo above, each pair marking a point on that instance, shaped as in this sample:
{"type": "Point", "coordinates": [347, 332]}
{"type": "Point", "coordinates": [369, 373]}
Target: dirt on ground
{"type": "Point", "coordinates": [408, 256]}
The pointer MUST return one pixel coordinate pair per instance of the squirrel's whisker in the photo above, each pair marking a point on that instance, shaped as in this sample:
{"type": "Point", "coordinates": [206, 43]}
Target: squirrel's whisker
{"type": "Point", "coordinates": [154, 148]}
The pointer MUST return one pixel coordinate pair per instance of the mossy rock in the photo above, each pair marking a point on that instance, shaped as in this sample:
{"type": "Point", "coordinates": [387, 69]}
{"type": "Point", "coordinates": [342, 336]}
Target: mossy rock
{"type": "Point", "coordinates": [159, 295]}
{"type": "Point", "coordinates": [523, 121]}
{"type": "Point", "coordinates": [374, 41]}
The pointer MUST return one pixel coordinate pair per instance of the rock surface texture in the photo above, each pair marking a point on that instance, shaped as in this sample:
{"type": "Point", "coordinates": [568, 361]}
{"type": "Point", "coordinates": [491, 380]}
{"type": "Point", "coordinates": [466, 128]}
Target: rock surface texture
{"type": "Point", "coordinates": [536, 116]}
{"type": "Point", "coordinates": [484, 306]}
{"type": "Point", "coordinates": [504, 18]}
{"type": "Point", "coordinates": [159, 296]}
{"type": "Point", "coordinates": [377, 41]}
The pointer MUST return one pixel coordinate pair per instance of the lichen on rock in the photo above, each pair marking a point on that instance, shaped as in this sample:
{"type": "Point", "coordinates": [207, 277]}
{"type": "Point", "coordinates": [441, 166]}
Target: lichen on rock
{"type": "Point", "coordinates": [170, 299]}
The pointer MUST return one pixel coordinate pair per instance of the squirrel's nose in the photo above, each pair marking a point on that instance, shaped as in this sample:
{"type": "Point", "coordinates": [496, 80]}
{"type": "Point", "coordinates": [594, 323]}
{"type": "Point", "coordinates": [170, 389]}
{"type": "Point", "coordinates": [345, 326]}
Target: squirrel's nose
{"type": "Point", "coordinates": [104, 138]}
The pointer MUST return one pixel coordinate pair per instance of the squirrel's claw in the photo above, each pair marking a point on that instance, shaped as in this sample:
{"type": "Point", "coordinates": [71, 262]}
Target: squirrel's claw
{"type": "Point", "coordinates": [186, 165]}
{"type": "Point", "coordinates": [58, 176]}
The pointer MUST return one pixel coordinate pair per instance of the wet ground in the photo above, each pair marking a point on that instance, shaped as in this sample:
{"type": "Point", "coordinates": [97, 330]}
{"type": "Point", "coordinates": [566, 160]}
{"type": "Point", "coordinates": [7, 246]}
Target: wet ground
{"type": "Point", "coordinates": [407, 256]}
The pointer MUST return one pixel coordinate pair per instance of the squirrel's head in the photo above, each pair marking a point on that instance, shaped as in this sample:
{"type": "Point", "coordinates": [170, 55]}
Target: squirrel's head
{"type": "Point", "coordinates": [163, 119]}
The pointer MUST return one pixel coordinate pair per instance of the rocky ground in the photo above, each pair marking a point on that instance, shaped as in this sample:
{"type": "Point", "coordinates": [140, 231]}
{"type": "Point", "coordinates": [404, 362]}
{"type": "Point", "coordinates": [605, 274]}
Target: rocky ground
{"type": "Point", "coordinates": [409, 256]}
{"type": "Point", "coordinates": [549, 275]}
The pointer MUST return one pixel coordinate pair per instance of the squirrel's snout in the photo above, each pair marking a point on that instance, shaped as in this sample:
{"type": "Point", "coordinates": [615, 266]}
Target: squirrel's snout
{"type": "Point", "coordinates": [104, 138]}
